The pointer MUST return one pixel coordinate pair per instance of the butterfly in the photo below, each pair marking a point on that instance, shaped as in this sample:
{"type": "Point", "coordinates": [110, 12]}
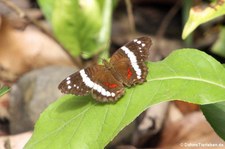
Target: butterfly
{"type": "Point", "coordinates": [107, 82]}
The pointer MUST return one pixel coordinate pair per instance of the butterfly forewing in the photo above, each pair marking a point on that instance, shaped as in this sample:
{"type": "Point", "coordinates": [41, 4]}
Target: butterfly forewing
{"type": "Point", "coordinates": [74, 84]}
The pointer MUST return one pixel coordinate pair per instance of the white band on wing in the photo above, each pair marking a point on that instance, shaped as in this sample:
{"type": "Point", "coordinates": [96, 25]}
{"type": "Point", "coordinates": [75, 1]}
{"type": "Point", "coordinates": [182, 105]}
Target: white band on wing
{"type": "Point", "coordinates": [133, 60]}
{"type": "Point", "coordinates": [87, 81]}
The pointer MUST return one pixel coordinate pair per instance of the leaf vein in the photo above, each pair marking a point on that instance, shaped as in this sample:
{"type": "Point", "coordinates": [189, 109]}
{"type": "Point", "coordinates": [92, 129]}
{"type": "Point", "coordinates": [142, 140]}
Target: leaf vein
{"type": "Point", "coordinates": [124, 113]}
{"type": "Point", "coordinates": [62, 126]}
{"type": "Point", "coordinates": [187, 78]}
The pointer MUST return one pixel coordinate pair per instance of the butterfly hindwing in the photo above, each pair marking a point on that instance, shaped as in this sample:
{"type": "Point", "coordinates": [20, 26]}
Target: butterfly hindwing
{"type": "Point", "coordinates": [129, 60]}
{"type": "Point", "coordinates": [128, 73]}
{"type": "Point", "coordinates": [107, 87]}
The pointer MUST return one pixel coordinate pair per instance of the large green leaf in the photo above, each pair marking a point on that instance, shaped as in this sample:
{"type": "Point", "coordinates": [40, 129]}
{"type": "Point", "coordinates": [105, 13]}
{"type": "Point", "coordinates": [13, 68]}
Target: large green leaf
{"type": "Point", "coordinates": [80, 122]}
{"type": "Point", "coordinates": [199, 15]}
{"type": "Point", "coordinates": [215, 115]}
{"type": "Point", "coordinates": [83, 27]}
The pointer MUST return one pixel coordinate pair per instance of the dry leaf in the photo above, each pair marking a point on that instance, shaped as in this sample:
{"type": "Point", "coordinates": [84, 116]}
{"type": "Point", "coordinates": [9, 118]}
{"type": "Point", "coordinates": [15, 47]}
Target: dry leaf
{"type": "Point", "coordinates": [193, 129]}
{"type": "Point", "coordinates": [22, 51]}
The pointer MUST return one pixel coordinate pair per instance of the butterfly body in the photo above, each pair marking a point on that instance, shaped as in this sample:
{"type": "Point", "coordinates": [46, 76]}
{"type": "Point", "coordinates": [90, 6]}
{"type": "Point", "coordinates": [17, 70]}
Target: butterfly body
{"type": "Point", "coordinates": [107, 82]}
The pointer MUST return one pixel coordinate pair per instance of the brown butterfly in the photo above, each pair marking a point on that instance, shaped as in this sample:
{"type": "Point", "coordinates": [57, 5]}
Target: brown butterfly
{"type": "Point", "coordinates": [107, 82]}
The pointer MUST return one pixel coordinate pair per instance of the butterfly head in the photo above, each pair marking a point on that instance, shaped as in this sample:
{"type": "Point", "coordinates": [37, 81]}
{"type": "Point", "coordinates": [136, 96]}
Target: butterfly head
{"type": "Point", "coordinates": [106, 64]}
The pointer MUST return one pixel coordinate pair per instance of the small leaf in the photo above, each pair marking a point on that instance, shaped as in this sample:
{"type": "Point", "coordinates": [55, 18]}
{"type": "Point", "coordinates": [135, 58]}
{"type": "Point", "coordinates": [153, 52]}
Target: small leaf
{"type": "Point", "coordinates": [199, 15]}
{"type": "Point", "coordinates": [80, 122]}
{"type": "Point", "coordinates": [83, 27]}
{"type": "Point", "coordinates": [3, 90]}
{"type": "Point", "coordinates": [215, 115]}
{"type": "Point", "coordinates": [218, 46]}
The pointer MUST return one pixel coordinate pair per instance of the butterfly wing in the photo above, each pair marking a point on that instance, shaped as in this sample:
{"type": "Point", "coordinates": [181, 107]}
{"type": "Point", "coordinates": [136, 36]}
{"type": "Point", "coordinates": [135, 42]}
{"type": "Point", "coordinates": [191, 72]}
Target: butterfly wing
{"type": "Point", "coordinates": [74, 84]}
{"type": "Point", "coordinates": [129, 60]}
{"type": "Point", "coordinates": [96, 79]}
{"type": "Point", "coordinates": [107, 88]}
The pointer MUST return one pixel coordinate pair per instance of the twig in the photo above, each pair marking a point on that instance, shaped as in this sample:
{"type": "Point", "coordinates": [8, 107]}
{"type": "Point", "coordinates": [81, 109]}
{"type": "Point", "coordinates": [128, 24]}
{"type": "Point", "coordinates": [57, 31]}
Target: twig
{"type": "Point", "coordinates": [130, 15]}
{"type": "Point", "coordinates": [164, 24]}
{"type": "Point", "coordinates": [23, 15]}
{"type": "Point", "coordinates": [167, 19]}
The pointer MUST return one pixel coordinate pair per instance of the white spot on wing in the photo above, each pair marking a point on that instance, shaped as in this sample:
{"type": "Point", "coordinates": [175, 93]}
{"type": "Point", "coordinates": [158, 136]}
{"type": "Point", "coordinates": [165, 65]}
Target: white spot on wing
{"type": "Point", "coordinates": [139, 42]}
{"type": "Point", "coordinates": [68, 82]}
{"type": "Point", "coordinates": [68, 78]}
{"type": "Point", "coordinates": [104, 92]}
{"type": "Point", "coordinates": [135, 40]}
{"type": "Point", "coordinates": [69, 87]}
{"type": "Point", "coordinates": [108, 94]}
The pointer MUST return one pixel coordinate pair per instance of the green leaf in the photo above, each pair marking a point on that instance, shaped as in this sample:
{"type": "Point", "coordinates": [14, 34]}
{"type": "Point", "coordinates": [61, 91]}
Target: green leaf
{"type": "Point", "coordinates": [199, 15]}
{"type": "Point", "coordinates": [47, 7]}
{"type": "Point", "coordinates": [218, 46]}
{"type": "Point", "coordinates": [80, 122]}
{"type": "Point", "coordinates": [215, 115]}
{"type": "Point", "coordinates": [3, 90]}
{"type": "Point", "coordinates": [83, 27]}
